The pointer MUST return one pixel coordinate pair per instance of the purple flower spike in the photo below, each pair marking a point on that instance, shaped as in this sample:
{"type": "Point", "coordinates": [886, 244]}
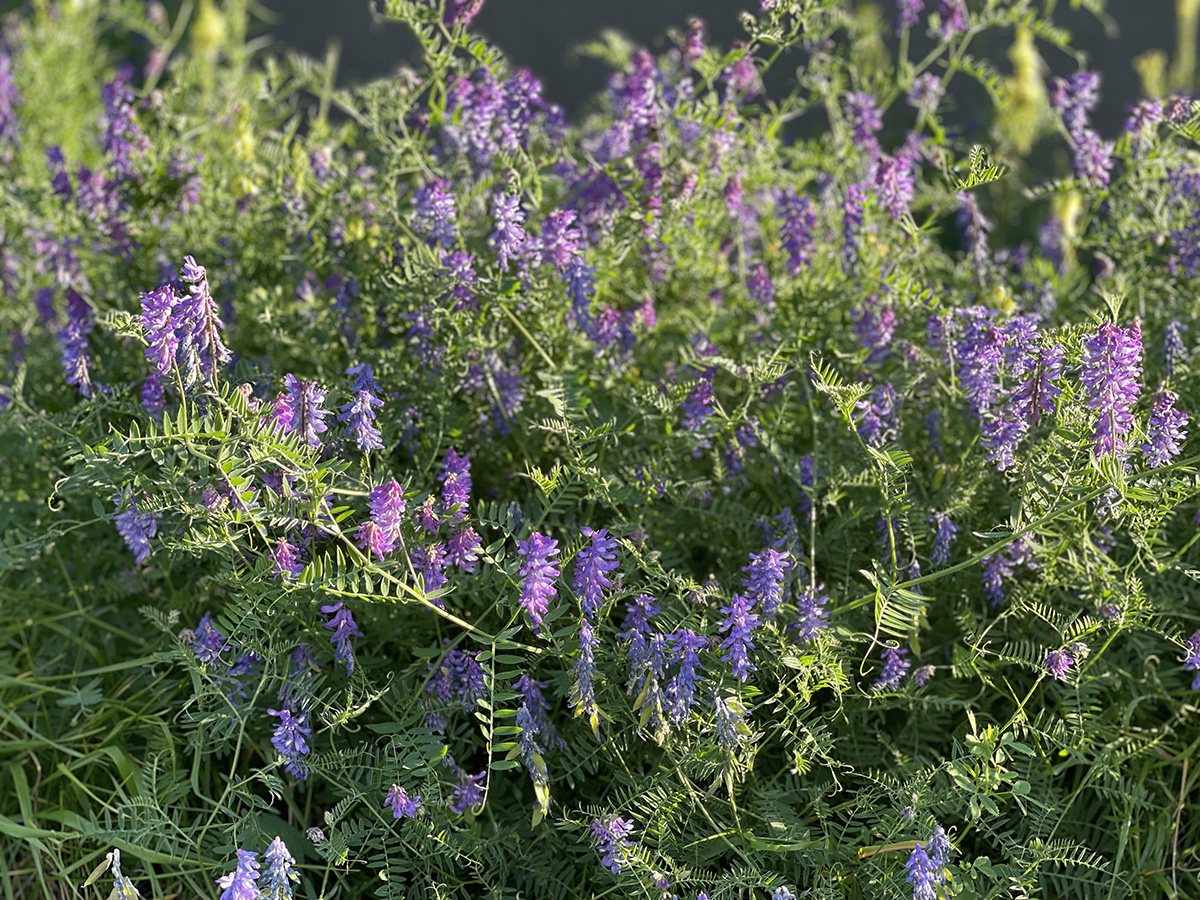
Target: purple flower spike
{"type": "Point", "coordinates": [584, 673]}
{"type": "Point", "coordinates": [467, 793]}
{"type": "Point", "coordinates": [811, 613]}
{"type": "Point", "coordinates": [403, 806]}
{"type": "Point", "coordinates": [201, 349]}
{"type": "Point", "coordinates": [287, 560]}
{"type": "Point", "coordinates": [593, 563]}
{"type": "Point", "coordinates": [945, 535]}
{"type": "Point", "coordinates": [797, 227]}
{"type": "Point", "coordinates": [305, 407]}
{"type": "Point", "coordinates": [1111, 368]}
{"type": "Point", "coordinates": [923, 874]}
{"type": "Point", "coordinates": [538, 573]}
{"type": "Point", "coordinates": [764, 580]}
{"type": "Point", "coordinates": [1191, 662]}
{"type": "Point", "coordinates": [610, 835]}
{"type": "Point", "coordinates": [242, 882]}
{"type": "Point", "coordinates": [73, 343]}
{"type": "Point", "coordinates": [681, 690]}
{"type": "Point", "coordinates": [1166, 430]}
{"type": "Point", "coordinates": [290, 740]}
{"type": "Point", "coordinates": [895, 667]}
{"type": "Point", "coordinates": [158, 318]}
{"type": "Point", "coordinates": [739, 624]}
{"type": "Point", "coordinates": [281, 876]}
{"type": "Point", "coordinates": [1058, 663]}
{"type": "Point", "coordinates": [359, 418]}
{"type": "Point", "coordinates": [509, 237]}
{"type": "Point", "coordinates": [456, 485]}
{"type": "Point", "coordinates": [136, 528]}
{"type": "Point", "coordinates": [435, 213]}
{"type": "Point", "coordinates": [342, 624]}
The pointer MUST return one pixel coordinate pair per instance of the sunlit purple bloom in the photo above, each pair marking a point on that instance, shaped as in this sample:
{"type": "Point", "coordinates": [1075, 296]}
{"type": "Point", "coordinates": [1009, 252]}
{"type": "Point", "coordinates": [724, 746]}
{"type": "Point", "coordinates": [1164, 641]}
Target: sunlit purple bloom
{"type": "Point", "coordinates": [199, 325]}
{"type": "Point", "coordinates": [463, 549]}
{"type": "Point", "coordinates": [1093, 159]}
{"type": "Point", "coordinates": [427, 515]}
{"type": "Point", "coordinates": [1058, 663]}
{"type": "Point", "coordinates": [797, 227]}
{"type": "Point", "coordinates": [1110, 374]}
{"type": "Point", "coordinates": [895, 183]}
{"type": "Point", "coordinates": [610, 834]}
{"type": "Point", "coordinates": [811, 612]}
{"type": "Point", "coordinates": [290, 740]}
{"type": "Point", "coordinates": [359, 418]}
{"type": "Point", "coordinates": [281, 875]}
{"type": "Point", "coordinates": [158, 319]}
{"type": "Point", "coordinates": [681, 689]}
{"type": "Point", "coordinates": [1035, 397]}
{"type": "Point", "coordinates": [403, 806]}
{"type": "Point", "coordinates": [242, 882]}
{"type": "Point", "coordinates": [136, 528]}
{"type": "Point", "coordinates": [979, 354]}
{"type": "Point", "coordinates": [456, 485]}
{"type": "Point", "coordinates": [593, 563]}
{"type": "Point", "coordinates": [538, 573]}
{"type": "Point", "coordinates": [467, 793]}
{"type": "Point", "coordinates": [341, 622]}
{"type": "Point", "coordinates": [560, 241]}
{"type": "Point", "coordinates": [73, 344]}
{"type": "Point", "coordinates": [876, 416]}
{"type": "Point", "coordinates": [305, 405]}
{"type": "Point", "coordinates": [923, 874]}
{"type": "Point", "coordinates": [582, 695]}
{"type": "Point", "coordinates": [945, 535]}
{"type": "Point", "coordinates": [435, 214]}
{"type": "Point", "coordinates": [739, 624]}
{"type": "Point", "coordinates": [509, 236]}
{"type": "Point", "coordinates": [1074, 97]}
{"type": "Point", "coordinates": [1166, 430]}
{"type": "Point", "coordinates": [764, 580]}
{"type": "Point", "coordinates": [1191, 662]}
{"type": "Point", "coordinates": [287, 559]}
{"type": "Point", "coordinates": [895, 667]}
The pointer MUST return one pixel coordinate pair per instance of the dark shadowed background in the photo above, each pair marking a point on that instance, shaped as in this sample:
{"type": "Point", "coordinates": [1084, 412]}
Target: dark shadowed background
{"type": "Point", "coordinates": [540, 35]}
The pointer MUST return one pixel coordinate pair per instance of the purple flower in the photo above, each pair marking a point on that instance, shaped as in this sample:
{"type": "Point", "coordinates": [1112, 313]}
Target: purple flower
{"type": "Point", "coordinates": [582, 696]}
{"type": "Point", "coordinates": [681, 690]}
{"type": "Point", "coordinates": [979, 354]}
{"type": "Point", "coordinates": [341, 622]}
{"type": "Point", "coordinates": [458, 677]}
{"type": "Point", "coordinates": [922, 675]}
{"type": "Point", "coordinates": [895, 667]}
{"type": "Point", "coordinates": [431, 566]}
{"type": "Point", "coordinates": [287, 559]}
{"type": "Point", "coordinates": [853, 209]}
{"type": "Point", "coordinates": [435, 214]}
{"type": "Point", "coordinates": [797, 223]}
{"type": "Point", "coordinates": [693, 43]}
{"type": "Point", "coordinates": [1002, 433]}
{"type": "Point", "coordinates": [10, 100]}
{"type": "Point", "coordinates": [290, 740]}
{"type": "Point", "coordinates": [123, 139]}
{"type": "Point", "coordinates": [158, 318]}
{"type": "Point", "coordinates": [953, 14]}
{"type": "Point", "coordinates": [610, 835]}
{"type": "Point", "coordinates": [242, 882]}
{"type": "Point", "coordinates": [403, 806]}
{"type": "Point", "coordinates": [875, 324]}
{"type": "Point", "coordinates": [592, 564]}
{"type": "Point", "coordinates": [302, 410]}
{"type": "Point", "coordinates": [359, 418]}
{"type": "Point", "coordinates": [895, 183]}
{"type": "Point", "coordinates": [811, 612]}
{"type": "Point", "coordinates": [463, 549]}
{"type": "Point", "coordinates": [1175, 351]}
{"type": "Point", "coordinates": [509, 237]}
{"type": "Point", "coordinates": [923, 874]}
{"type": "Point", "coordinates": [539, 710]}
{"type": "Point", "coordinates": [865, 121]}
{"type": "Point", "coordinates": [387, 508]}
{"type": "Point", "coordinates": [1074, 97]}
{"type": "Point", "coordinates": [1166, 430]}
{"type": "Point", "coordinates": [764, 580]}
{"type": "Point", "coordinates": [944, 536]}
{"type": "Point", "coordinates": [1191, 662]}
{"type": "Point", "coordinates": [538, 573]}
{"type": "Point", "coordinates": [974, 227]}
{"type": "Point", "coordinates": [458, 268]}
{"type": "Point", "coordinates": [1058, 663]}
{"type": "Point", "coordinates": [153, 395]}
{"type": "Point", "coordinates": [456, 485]}
{"type": "Point", "coordinates": [559, 243]}
{"type": "Point", "coordinates": [281, 874]}
{"type": "Point", "coordinates": [73, 343]}
{"type": "Point", "coordinates": [760, 286]}
{"type": "Point", "coordinates": [739, 624]}
{"type": "Point", "coordinates": [136, 528]}
{"type": "Point", "coordinates": [698, 405]}
{"type": "Point", "coordinates": [467, 793]}
{"type": "Point", "coordinates": [1093, 159]}
{"type": "Point", "coordinates": [201, 348]}
{"type": "Point", "coordinates": [908, 13]}
{"type": "Point", "coordinates": [460, 12]}
{"type": "Point", "coordinates": [1110, 372]}
{"type": "Point", "coordinates": [876, 415]}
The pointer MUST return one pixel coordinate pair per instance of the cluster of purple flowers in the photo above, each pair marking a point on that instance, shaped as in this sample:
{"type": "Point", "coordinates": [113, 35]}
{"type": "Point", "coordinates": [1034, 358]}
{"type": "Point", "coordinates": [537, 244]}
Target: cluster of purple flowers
{"type": "Point", "coordinates": [738, 625]}
{"type": "Point", "coordinates": [300, 410]}
{"type": "Point", "coordinates": [1110, 373]}
{"type": "Point", "coordinates": [343, 626]}
{"type": "Point", "coordinates": [1074, 98]}
{"type": "Point", "coordinates": [538, 572]}
{"type": "Point", "coordinates": [610, 834]}
{"type": "Point", "coordinates": [895, 667]}
{"type": "Point", "coordinates": [290, 740]}
{"type": "Point", "coordinates": [276, 883]}
{"type": "Point", "coordinates": [183, 327]}
{"type": "Point", "coordinates": [927, 865]}
{"type": "Point", "coordinates": [136, 528]}
{"type": "Point", "coordinates": [359, 414]}
{"type": "Point", "coordinates": [403, 806]}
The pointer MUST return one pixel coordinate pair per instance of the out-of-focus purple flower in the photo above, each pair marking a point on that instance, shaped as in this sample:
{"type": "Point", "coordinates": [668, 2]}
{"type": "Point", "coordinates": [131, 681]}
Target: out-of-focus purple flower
{"type": "Point", "coordinates": [304, 403]}
{"type": "Point", "coordinates": [693, 42]}
{"type": "Point", "coordinates": [741, 75]}
{"type": "Point", "coordinates": [123, 138]}
{"type": "Point", "coordinates": [974, 227]}
{"type": "Point", "coordinates": [290, 740]}
{"type": "Point", "coordinates": [467, 793]}
{"type": "Point", "coordinates": [10, 100]}
{"type": "Point", "coordinates": [539, 710]}
{"type": "Point", "coordinates": [610, 834]}
{"type": "Point", "coordinates": [1074, 98]}
{"type": "Point", "coordinates": [316, 835]}
{"type": "Point", "coordinates": [581, 288]}
{"type": "Point", "coordinates": [359, 418]}
{"type": "Point", "coordinates": [458, 677]}
{"type": "Point", "coordinates": [876, 416]}
{"type": "Point", "coordinates": [1191, 662]}
{"type": "Point", "coordinates": [945, 535]}
{"type": "Point", "coordinates": [875, 324]}
{"type": "Point", "coordinates": [1093, 159]}
{"type": "Point", "coordinates": [1166, 430]}
{"type": "Point", "coordinates": [764, 580]}
{"type": "Point", "coordinates": [1143, 119]}
{"type": "Point", "coordinates": [153, 395]}
{"type": "Point", "coordinates": [853, 210]}
{"type": "Point", "coordinates": [341, 622]}
{"type": "Point", "coordinates": [1175, 351]}
{"type": "Point", "coordinates": [136, 528]}
{"type": "Point", "coordinates": [895, 667]}
{"type": "Point", "coordinates": [73, 344]}
{"type": "Point", "coordinates": [456, 485]}
{"type": "Point", "coordinates": [895, 183]}
{"type": "Point", "coordinates": [281, 875]}
{"type": "Point", "coordinates": [207, 642]}
{"type": "Point", "coordinates": [922, 675]}
{"type": "Point", "coordinates": [435, 214]}
{"type": "Point", "coordinates": [403, 806]}
{"type": "Point", "coordinates": [681, 690]}
{"type": "Point", "coordinates": [287, 559]}
{"type": "Point", "coordinates": [926, 91]}
{"type": "Point", "coordinates": [760, 286]}
{"type": "Point", "coordinates": [864, 119]}
{"type": "Point", "coordinates": [698, 405]}
{"type": "Point", "coordinates": [908, 13]}
{"type": "Point", "coordinates": [1110, 375]}
{"type": "Point", "coordinates": [538, 573]}
{"type": "Point", "coordinates": [584, 673]}
{"type": "Point", "coordinates": [739, 624]}
{"type": "Point", "coordinates": [559, 243]}
{"type": "Point", "coordinates": [458, 268]}
{"type": "Point", "coordinates": [592, 564]}
{"type": "Point", "coordinates": [797, 226]}
{"type": "Point", "coordinates": [242, 882]}
{"type": "Point", "coordinates": [979, 354]}
{"type": "Point", "coordinates": [953, 14]}
{"type": "Point", "coordinates": [1058, 663]}
{"type": "Point", "coordinates": [811, 612]}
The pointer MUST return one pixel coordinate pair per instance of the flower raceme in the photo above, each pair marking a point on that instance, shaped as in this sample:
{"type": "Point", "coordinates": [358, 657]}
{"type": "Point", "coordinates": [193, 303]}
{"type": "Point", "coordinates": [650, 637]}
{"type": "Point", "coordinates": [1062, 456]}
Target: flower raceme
{"type": "Point", "coordinates": [1112, 367]}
